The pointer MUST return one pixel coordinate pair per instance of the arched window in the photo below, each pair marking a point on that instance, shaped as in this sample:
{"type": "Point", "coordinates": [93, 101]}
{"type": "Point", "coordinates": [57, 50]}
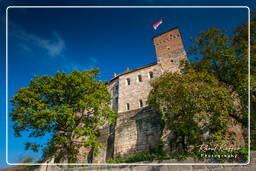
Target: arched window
{"type": "Point", "coordinates": [128, 81]}
{"type": "Point", "coordinates": [128, 106]}
{"type": "Point", "coordinates": [151, 75]}
{"type": "Point", "coordinates": [139, 78]}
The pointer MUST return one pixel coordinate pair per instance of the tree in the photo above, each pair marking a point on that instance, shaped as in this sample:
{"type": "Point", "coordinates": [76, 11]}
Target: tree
{"type": "Point", "coordinates": [69, 107]}
{"type": "Point", "coordinates": [27, 167]}
{"type": "Point", "coordinates": [195, 106]}
{"type": "Point", "coordinates": [226, 57]}
{"type": "Point", "coordinates": [241, 44]}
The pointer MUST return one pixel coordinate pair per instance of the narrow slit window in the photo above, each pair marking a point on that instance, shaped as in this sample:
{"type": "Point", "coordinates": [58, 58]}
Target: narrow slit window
{"type": "Point", "coordinates": [128, 81]}
{"type": "Point", "coordinates": [128, 106]}
{"type": "Point", "coordinates": [116, 89]}
{"type": "Point", "coordinates": [139, 78]}
{"type": "Point", "coordinates": [151, 75]}
{"type": "Point", "coordinates": [141, 103]}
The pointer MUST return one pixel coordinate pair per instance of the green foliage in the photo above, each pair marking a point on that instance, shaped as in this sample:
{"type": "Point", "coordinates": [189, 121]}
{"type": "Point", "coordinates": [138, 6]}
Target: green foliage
{"type": "Point", "coordinates": [71, 107]}
{"type": "Point", "coordinates": [226, 57]}
{"type": "Point", "coordinates": [242, 155]}
{"type": "Point", "coordinates": [27, 160]}
{"type": "Point", "coordinates": [189, 102]}
{"type": "Point", "coordinates": [221, 57]}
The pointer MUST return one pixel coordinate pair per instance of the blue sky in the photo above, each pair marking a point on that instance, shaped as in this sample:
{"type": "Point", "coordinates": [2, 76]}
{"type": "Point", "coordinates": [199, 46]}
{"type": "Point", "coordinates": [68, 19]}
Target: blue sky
{"type": "Point", "coordinates": [44, 41]}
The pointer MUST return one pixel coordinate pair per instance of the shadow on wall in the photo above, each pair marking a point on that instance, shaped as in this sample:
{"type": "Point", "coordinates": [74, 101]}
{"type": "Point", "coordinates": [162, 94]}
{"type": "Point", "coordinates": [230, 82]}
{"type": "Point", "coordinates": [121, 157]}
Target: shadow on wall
{"type": "Point", "coordinates": [110, 142]}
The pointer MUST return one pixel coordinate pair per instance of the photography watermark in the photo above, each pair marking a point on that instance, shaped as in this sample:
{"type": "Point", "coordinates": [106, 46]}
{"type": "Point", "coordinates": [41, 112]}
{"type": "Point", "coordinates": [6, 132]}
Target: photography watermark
{"type": "Point", "coordinates": [219, 156]}
{"type": "Point", "coordinates": [211, 148]}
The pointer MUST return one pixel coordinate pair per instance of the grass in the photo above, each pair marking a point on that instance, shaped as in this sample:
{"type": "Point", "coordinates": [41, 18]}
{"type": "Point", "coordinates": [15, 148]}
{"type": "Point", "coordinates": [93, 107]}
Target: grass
{"type": "Point", "coordinates": [146, 157]}
{"type": "Point", "coordinates": [151, 156]}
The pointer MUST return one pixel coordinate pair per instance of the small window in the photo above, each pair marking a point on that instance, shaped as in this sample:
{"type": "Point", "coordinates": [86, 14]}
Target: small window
{"type": "Point", "coordinates": [128, 106]}
{"type": "Point", "coordinates": [151, 75]}
{"type": "Point", "coordinates": [171, 60]}
{"type": "Point", "coordinates": [116, 89]}
{"type": "Point", "coordinates": [128, 81]}
{"type": "Point", "coordinates": [141, 103]}
{"type": "Point", "coordinates": [116, 100]}
{"type": "Point", "coordinates": [139, 78]}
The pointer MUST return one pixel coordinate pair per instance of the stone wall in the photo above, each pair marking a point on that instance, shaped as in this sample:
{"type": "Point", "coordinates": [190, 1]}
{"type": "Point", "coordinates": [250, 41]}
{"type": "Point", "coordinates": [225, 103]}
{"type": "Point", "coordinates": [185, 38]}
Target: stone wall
{"type": "Point", "coordinates": [134, 131]}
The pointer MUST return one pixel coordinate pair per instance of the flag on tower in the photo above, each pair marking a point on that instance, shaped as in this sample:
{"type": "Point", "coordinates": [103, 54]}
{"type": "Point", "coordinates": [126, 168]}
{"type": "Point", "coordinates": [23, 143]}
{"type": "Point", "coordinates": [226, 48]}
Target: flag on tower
{"type": "Point", "coordinates": [157, 24]}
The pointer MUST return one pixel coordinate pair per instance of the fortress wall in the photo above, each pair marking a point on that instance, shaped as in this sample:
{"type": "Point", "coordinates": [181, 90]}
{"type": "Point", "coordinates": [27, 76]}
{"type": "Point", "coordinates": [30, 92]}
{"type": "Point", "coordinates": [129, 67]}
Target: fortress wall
{"type": "Point", "coordinates": [135, 131]}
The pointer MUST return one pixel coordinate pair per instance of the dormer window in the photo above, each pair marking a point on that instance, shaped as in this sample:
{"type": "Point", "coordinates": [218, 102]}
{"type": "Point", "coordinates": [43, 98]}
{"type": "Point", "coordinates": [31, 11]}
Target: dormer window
{"type": "Point", "coordinates": [139, 78]}
{"type": "Point", "coordinates": [151, 75]}
{"type": "Point", "coordinates": [128, 81]}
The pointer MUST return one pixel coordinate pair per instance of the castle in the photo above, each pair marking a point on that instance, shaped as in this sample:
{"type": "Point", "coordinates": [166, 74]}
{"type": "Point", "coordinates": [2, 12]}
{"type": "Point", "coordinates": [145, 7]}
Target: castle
{"type": "Point", "coordinates": [138, 127]}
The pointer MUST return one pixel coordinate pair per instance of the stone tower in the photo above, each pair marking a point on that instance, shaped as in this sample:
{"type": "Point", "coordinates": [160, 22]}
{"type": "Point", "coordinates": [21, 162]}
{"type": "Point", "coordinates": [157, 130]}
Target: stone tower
{"type": "Point", "coordinates": [169, 50]}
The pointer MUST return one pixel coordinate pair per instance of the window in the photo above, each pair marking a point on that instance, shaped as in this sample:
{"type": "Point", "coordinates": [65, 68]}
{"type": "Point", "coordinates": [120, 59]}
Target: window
{"type": "Point", "coordinates": [151, 75]}
{"type": "Point", "coordinates": [116, 100]}
{"type": "Point", "coordinates": [115, 103]}
{"type": "Point", "coordinates": [139, 78]}
{"type": "Point", "coordinates": [115, 89]}
{"type": "Point", "coordinates": [128, 81]}
{"type": "Point", "coordinates": [171, 60]}
{"type": "Point", "coordinates": [128, 106]}
{"type": "Point", "coordinates": [141, 103]}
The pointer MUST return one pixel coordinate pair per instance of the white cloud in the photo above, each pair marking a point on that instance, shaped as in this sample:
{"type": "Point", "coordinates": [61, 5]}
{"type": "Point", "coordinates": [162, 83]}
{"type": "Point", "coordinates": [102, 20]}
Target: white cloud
{"type": "Point", "coordinates": [54, 47]}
